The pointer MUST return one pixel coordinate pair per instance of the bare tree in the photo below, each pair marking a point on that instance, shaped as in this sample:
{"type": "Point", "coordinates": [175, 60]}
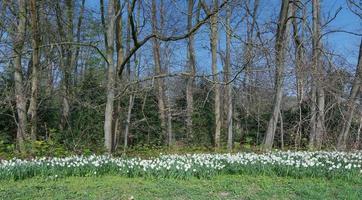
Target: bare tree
{"type": "Point", "coordinates": [299, 66]}
{"type": "Point", "coordinates": [18, 43]}
{"type": "Point", "coordinates": [343, 136]}
{"type": "Point", "coordinates": [66, 35]}
{"type": "Point", "coordinates": [108, 115]}
{"type": "Point", "coordinates": [280, 45]}
{"type": "Point", "coordinates": [318, 95]}
{"type": "Point", "coordinates": [213, 46]}
{"type": "Point", "coordinates": [35, 42]}
{"type": "Point", "coordinates": [158, 70]}
{"type": "Point", "coordinates": [227, 71]}
{"type": "Point", "coordinates": [192, 70]}
{"type": "Point", "coordinates": [120, 53]}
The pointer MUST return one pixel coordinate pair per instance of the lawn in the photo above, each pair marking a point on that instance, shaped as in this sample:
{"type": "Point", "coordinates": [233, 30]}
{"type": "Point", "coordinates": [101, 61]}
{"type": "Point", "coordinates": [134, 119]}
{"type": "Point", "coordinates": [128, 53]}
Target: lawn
{"type": "Point", "coordinates": [218, 187]}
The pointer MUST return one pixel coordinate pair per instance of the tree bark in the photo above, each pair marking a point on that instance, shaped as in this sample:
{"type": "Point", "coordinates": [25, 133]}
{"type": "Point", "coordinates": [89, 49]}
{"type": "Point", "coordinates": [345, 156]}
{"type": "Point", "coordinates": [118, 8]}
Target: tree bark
{"type": "Point", "coordinates": [229, 118]}
{"type": "Point", "coordinates": [318, 96]}
{"type": "Point", "coordinates": [213, 46]}
{"type": "Point", "coordinates": [158, 70]}
{"type": "Point", "coordinates": [116, 122]}
{"type": "Point", "coordinates": [281, 43]}
{"type": "Point", "coordinates": [35, 42]}
{"type": "Point", "coordinates": [351, 103]}
{"type": "Point", "coordinates": [299, 63]}
{"type": "Point", "coordinates": [18, 42]}
{"type": "Point", "coordinates": [103, 21]}
{"type": "Point", "coordinates": [108, 115]}
{"type": "Point", "coordinates": [192, 71]}
{"type": "Point", "coordinates": [78, 35]}
{"type": "Point", "coordinates": [132, 96]}
{"type": "Point", "coordinates": [66, 34]}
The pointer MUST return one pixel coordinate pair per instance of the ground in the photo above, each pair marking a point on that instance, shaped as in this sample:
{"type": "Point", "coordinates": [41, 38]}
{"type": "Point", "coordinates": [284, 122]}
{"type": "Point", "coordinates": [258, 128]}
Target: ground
{"type": "Point", "coordinates": [219, 187]}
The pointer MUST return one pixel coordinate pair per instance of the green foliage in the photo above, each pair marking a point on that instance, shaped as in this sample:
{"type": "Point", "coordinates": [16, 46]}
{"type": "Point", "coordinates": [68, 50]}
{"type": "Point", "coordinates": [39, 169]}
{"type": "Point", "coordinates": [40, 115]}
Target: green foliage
{"type": "Point", "coordinates": [146, 128]}
{"type": "Point", "coordinates": [220, 187]}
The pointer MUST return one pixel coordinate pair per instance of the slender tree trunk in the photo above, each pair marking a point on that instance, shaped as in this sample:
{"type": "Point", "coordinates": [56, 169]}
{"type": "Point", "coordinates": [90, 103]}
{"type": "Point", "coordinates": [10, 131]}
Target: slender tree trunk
{"type": "Point", "coordinates": [128, 121]}
{"type": "Point", "coordinates": [35, 42]}
{"type": "Point", "coordinates": [158, 70]}
{"type": "Point", "coordinates": [103, 21]}
{"type": "Point", "coordinates": [78, 34]}
{"type": "Point", "coordinates": [213, 45]}
{"type": "Point", "coordinates": [313, 111]}
{"type": "Point", "coordinates": [229, 120]}
{"type": "Point", "coordinates": [281, 43]}
{"type": "Point", "coordinates": [192, 71]}
{"type": "Point", "coordinates": [299, 57]}
{"type": "Point", "coordinates": [66, 34]}
{"type": "Point", "coordinates": [318, 96]}
{"type": "Point", "coordinates": [170, 135]}
{"type": "Point", "coordinates": [18, 42]}
{"type": "Point", "coordinates": [342, 139]}
{"type": "Point", "coordinates": [132, 96]}
{"type": "Point", "coordinates": [119, 50]}
{"type": "Point", "coordinates": [281, 131]}
{"type": "Point", "coordinates": [248, 57]}
{"type": "Point", "coordinates": [108, 115]}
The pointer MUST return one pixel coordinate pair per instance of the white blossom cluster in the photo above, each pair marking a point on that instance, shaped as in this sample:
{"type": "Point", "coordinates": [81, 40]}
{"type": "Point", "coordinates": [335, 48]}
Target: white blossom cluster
{"type": "Point", "coordinates": [322, 162]}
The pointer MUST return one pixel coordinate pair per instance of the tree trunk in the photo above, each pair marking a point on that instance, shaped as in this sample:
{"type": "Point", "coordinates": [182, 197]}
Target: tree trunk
{"type": "Point", "coordinates": [313, 111]}
{"type": "Point", "coordinates": [213, 45]}
{"type": "Point", "coordinates": [342, 139]}
{"type": "Point", "coordinates": [78, 34]}
{"type": "Point", "coordinates": [229, 120]}
{"type": "Point", "coordinates": [318, 96]}
{"type": "Point", "coordinates": [192, 71]}
{"type": "Point", "coordinates": [116, 122]}
{"type": "Point", "coordinates": [132, 96]}
{"type": "Point", "coordinates": [35, 42]}
{"type": "Point", "coordinates": [18, 42]}
{"type": "Point", "coordinates": [170, 136]}
{"type": "Point", "coordinates": [281, 131]}
{"type": "Point", "coordinates": [281, 43]}
{"type": "Point", "coordinates": [108, 115]}
{"type": "Point", "coordinates": [128, 121]}
{"type": "Point", "coordinates": [103, 21]}
{"type": "Point", "coordinates": [299, 64]}
{"type": "Point", "coordinates": [158, 70]}
{"type": "Point", "coordinates": [66, 35]}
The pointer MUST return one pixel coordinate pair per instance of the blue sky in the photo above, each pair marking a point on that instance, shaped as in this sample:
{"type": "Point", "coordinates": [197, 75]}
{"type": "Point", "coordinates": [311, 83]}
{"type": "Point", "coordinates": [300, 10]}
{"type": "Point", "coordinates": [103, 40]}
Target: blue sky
{"type": "Point", "coordinates": [342, 43]}
{"type": "Point", "coordinates": [345, 44]}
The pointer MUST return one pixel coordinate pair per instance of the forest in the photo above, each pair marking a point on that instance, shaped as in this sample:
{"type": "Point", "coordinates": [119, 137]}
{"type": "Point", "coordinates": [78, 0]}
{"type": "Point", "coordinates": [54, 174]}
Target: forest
{"type": "Point", "coordinates": [108, 76]}
{"type": "Point", "coordinates": [180, 99]}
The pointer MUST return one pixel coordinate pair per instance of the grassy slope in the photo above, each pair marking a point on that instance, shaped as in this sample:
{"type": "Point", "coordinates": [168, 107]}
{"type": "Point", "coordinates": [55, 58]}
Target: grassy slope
{"type": "Point", "coordinates": [220, 187]}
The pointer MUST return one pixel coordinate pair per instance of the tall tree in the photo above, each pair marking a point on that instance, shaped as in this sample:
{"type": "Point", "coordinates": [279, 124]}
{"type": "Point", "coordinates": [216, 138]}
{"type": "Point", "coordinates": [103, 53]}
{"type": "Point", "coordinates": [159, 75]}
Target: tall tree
{"type": "Point", "coordinates": [35, 42]}
{"type": "Point", "coordinates": [18, 42]}
{"type": "Point", "coordinates": [75, 55]}
{"type": "Point", "coordinates": [192, 70]}
{"type": "Point", "coordinates": [280, 45]}
{"type": "Point", "coordinates": [227, 70]}
{"type": "Point", "coordinates": [108, 115]}
{"type": "Point", "coordinates": [318, 95]}
{"type": "Point", "coordinates": [214, 70]}
{"type": "Point", "coordinates": [66, 35]}
{"type": "Point", "coordinates": [120, 54]}
{"type": "Point", "coordinates": [158, 70]}
{"type": "Point", "coordinates": [299, 66]}
{"type": "Point", "coordinates": [103, 21]}
{"type": "Point", "coordinates": [351, 103]}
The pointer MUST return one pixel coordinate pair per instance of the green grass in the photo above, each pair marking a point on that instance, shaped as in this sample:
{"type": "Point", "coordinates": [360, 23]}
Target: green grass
{"type": "Point", "coordinates": [219, 187]}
